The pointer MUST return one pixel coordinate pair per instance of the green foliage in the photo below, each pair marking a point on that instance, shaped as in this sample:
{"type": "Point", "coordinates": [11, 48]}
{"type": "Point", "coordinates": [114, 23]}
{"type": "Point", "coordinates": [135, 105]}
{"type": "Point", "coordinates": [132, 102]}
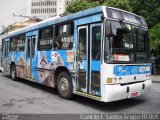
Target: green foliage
{"type": "Point", "coordinates": [155, 38]}
{"type": "Point", "coordinates": [121, 4]}
{"type": "Point", "coordinates": [81, 5]}
{"type": "Point", "coordinates": [149, 9]}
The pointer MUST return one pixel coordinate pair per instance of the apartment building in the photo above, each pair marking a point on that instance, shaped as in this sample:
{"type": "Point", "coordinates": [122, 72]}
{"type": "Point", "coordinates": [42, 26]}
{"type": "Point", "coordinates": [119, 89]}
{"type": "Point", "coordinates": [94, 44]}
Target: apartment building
{"type": "Point", "coordinates": [45, 9]}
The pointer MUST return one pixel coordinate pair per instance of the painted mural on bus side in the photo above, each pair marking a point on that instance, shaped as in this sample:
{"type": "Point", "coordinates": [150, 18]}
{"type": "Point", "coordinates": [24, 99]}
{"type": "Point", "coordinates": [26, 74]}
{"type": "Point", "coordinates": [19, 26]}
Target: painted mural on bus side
{"type": "Point", "coordinates": [46, 67]}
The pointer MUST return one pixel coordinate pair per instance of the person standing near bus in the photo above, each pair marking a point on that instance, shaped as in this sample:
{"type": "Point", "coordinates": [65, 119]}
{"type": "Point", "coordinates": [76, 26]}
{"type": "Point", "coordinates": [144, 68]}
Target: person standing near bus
{"type": "Point", "coordinates": [153, 61]}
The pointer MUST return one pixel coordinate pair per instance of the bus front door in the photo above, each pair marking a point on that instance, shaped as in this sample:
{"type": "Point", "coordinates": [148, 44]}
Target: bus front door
{"type": "Point", "coordinates": [31, 40]}
{"type": "Point", "coordinates": [88, 59]}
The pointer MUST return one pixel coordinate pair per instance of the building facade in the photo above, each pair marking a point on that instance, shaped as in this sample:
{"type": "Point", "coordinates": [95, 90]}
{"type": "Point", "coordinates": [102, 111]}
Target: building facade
{"type": "Point", "coordinates": [16, 26]}
{"type": "Point", "coordinates": [45, 9]}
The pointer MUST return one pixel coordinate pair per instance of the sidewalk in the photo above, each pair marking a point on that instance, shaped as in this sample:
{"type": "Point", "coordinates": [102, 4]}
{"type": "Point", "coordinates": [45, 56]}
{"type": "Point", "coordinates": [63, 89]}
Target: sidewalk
{"type": "Point", "coordinates": [1, 69]}
{"type": "Point", "coordinates": [155, 78]}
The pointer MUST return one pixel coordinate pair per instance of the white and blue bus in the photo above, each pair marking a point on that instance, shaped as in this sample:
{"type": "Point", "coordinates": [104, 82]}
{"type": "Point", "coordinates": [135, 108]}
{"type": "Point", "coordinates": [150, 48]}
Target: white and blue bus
{"type": "Point", "coordinates": [99, 53]}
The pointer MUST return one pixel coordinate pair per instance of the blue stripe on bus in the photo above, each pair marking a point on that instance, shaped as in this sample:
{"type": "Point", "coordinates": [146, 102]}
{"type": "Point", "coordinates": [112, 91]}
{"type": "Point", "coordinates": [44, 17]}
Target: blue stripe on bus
{"type": "Point", "coordinates": [124, 70]}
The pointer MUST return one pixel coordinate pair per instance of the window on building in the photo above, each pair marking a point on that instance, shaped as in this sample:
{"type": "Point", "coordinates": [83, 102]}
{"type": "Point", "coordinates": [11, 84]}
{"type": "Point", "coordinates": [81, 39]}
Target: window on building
{"type": "Point", "coordinates": [64, 36]}
{"type": "Point", "coordinates": [21, 42]}
{"type": "Point", "coordinates": [45, 38]}
{"type": "Point", "coordinates": [13, 44]}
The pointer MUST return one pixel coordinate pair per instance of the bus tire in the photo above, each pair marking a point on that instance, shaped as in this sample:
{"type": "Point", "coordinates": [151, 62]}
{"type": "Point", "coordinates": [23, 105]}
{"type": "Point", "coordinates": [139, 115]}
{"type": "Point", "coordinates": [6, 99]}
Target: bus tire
{"type": "Point", "coordinates": [13, 72]}
{"type": "Point", "coordinates": [64, 85]}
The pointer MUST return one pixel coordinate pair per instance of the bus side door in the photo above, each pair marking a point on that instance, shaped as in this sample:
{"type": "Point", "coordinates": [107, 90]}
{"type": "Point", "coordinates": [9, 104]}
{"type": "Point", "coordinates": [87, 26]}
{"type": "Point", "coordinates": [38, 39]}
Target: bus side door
{"type": "Point", "coordinates": [95, 58]}
{"type": "Point", "coordinates": [30, 54]}
{"type": "Point", "coordinates": [88, 58]}
{"type": "Point", "coordinates": [82, 59]}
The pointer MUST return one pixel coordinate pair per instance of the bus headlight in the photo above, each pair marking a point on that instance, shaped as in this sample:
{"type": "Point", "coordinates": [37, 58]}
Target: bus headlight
{"type": "Point", "coordinates": [114, 80]}
{"type": "Point", "coordinates": [109, 80]}
{"type": "Point", "coordinates": [148, 76]}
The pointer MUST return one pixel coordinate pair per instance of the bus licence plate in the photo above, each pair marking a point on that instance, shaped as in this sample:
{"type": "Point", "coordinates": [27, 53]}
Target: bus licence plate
{"type": "Point", "coordinates": [133, 94]}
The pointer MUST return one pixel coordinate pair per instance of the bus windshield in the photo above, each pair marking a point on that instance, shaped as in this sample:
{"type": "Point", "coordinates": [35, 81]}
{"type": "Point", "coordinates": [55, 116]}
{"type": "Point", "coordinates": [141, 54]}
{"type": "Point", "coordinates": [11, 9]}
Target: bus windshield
{"type": "Point", "coordinates": [125, 43]}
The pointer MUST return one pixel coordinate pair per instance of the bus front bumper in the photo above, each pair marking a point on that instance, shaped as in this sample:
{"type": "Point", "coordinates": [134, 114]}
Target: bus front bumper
{"type": "Point", "coordinates": [119, 92]}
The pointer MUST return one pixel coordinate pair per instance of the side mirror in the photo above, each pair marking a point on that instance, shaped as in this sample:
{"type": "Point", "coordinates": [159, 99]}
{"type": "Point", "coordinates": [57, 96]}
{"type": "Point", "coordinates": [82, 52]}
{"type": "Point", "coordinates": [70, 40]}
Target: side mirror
{"type": "Point", "coordinates": [142, 31]}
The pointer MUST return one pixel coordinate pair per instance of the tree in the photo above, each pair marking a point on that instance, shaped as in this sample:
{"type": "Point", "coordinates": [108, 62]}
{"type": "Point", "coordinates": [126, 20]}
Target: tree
{"type": "Point", "coordinates": [79, 5]}
{"type": "Point", "coordinates": [121, 4]}
{"type": "Point", "coordinates": [149, 9]}
{"type": "Point", "coordinates": [154, 35]}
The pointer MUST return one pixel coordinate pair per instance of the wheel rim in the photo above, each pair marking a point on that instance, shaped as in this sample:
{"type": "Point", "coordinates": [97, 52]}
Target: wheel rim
{"type": "Point", "coordinates": [64, 85]}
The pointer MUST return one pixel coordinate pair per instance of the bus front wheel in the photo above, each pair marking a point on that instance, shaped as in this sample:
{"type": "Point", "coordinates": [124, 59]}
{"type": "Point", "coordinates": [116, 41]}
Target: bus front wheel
{"type": "Point", "coordinates": [64, 85]}
{"type": "Point", "coordinates": [13, 72]}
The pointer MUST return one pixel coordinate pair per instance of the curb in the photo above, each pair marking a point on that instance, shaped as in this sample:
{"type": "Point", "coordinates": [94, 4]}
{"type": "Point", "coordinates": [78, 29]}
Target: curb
{"type": "Point", "coordinates": [155, 81]}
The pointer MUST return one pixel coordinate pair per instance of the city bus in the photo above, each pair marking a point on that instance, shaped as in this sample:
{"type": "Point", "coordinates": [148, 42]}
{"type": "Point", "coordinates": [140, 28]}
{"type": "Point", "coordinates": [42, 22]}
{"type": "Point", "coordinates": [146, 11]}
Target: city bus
{"type": "Point", "coordinates": [99, 53]}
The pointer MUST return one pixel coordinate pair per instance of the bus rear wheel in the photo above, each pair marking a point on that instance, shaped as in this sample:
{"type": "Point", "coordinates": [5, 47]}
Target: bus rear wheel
{"type": "Point", "coordinates": [13, 72]}
{"type": "Point", "coordinates": [64, 85]}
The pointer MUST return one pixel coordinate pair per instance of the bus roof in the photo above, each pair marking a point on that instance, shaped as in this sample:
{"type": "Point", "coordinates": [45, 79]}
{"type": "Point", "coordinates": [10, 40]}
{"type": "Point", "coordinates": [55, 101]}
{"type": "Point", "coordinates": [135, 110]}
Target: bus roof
{"type": "Point", "coordinates": [58, 19]}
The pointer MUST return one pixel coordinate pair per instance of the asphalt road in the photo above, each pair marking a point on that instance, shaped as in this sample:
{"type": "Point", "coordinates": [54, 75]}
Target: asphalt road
{"type": "Point", "coordinates": [30, 98]}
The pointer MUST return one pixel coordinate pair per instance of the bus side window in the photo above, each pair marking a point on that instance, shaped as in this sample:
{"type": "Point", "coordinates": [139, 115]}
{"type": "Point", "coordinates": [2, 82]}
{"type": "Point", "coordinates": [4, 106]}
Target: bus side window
{"type": "Point", "coordinates": [13, 44]}
{"type": "Point", "coordinates": [28, 50]}
{"type": "Point", "coordinates": [96, 42]}
{"type": "Point", "coordinates": [21, 42]}
{"type": "Point", "coordinates": [82, 43]}
{"type": "Point", "coordinates": [33, 46]}
{"type": "Point", "coordinates": [63, 36]}
{"type": "Point", "coordinates": [45, 38]}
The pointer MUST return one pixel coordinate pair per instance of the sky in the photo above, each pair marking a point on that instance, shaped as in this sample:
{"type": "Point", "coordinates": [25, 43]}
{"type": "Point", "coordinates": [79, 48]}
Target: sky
{"type": "Point", "coordinates": [8, 7]}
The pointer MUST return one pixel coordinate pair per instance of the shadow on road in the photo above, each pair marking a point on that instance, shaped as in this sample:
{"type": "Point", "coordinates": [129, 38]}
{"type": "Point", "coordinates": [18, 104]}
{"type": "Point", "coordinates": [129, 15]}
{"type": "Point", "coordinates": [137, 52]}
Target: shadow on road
{"type": "Point", "coordinates": [104, 107]}
{"type": "Point", "coordinates": [110, 106]}
{"type": "Point", "coordinates": [35, 85]}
